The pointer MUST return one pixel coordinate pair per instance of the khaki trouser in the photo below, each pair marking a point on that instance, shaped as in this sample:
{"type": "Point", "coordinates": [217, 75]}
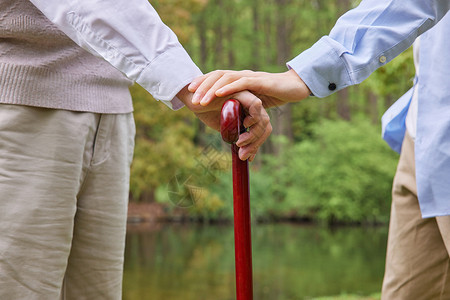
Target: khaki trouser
{"type": "Point", "coordinates": [64, 179]}
{"type": "Point", "coordinates": [417, 261]}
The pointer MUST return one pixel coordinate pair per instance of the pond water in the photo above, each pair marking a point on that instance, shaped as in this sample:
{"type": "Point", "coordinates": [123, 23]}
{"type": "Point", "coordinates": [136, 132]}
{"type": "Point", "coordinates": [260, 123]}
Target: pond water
{"type": "Point", "coordinates": [195, 262]}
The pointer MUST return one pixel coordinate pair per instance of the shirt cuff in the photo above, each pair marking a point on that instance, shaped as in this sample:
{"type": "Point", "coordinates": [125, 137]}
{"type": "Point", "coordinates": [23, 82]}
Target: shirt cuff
{"type": "Point", "coordinates": [322, 68]}
{"type": "Point", "coordinates": [167, 74]}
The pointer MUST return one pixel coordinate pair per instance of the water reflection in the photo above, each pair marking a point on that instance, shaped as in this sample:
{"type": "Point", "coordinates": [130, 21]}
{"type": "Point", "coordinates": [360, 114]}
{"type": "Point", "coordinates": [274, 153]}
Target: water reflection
{"type": "Point", "coordinates": [193, 262]}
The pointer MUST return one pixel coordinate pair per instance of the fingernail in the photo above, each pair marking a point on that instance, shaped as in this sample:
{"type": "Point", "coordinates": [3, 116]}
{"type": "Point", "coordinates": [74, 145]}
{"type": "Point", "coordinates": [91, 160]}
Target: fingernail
{"type": "Point", "coordinates": [192, 86]}
{"type": "Point", "coordinates": [243, 156]}
{"type": "Point", "coordinates": [204, 101]}
{"type": "Point", "coordinates": [243, 140]}
{"type": "Point", "coordinates": [220, 92]}
{"type": "Point", "coordinates": [196, 99]}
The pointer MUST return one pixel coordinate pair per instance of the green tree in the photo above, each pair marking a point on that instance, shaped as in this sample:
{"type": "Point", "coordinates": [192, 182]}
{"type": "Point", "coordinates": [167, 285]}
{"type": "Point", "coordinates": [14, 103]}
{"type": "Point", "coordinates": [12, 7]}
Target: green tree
{"type": "Point", "coordinates": [314, 166]}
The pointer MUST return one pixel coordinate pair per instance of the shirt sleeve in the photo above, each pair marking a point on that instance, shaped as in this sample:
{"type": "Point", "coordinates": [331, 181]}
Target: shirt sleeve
{"type": "Point", "coordinates": [364, 39]}
{"type": "Point", "coordinates": [130, 35]}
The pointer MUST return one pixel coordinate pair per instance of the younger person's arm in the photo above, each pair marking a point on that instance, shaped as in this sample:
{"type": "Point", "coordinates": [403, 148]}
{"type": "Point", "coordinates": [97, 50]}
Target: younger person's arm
{"type": "Point", "coordinates": [363, 39]}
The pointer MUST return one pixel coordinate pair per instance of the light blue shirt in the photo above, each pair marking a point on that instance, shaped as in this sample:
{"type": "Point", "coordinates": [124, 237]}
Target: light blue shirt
{"type": "Point", "coordinates": [368, 37]}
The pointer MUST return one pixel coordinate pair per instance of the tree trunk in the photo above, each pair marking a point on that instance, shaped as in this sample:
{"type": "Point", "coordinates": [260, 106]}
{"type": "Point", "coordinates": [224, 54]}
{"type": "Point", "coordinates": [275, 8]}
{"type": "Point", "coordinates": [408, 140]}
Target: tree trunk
{"type": "Point", "coordinates": [268, 38]}
{"type": "Point", "coordinates": [281, 119]}
{"type": "Point", "coordinates": [343, 6]}
{"type": "Point", "coordinates": [218, 41]}
{"type": "Point", "coordinates": [343, 105]}
{"type": "Point", "coordinates": [201, 25]}
{"type": "Point", "coordinates": [372, 111]}
{"type": "Point", "coordinates": [229, 36]}
{"type": "Point", "coordinates": [282, 32]}
{"type": "Point", "coordinates": [148, 196]}
{"type": "Point", "coordinates": [256, 41]}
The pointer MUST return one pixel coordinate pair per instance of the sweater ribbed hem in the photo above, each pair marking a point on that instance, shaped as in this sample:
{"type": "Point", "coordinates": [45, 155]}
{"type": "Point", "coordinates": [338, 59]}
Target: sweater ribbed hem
{"type": "Point", "coordinates": [41, 87]}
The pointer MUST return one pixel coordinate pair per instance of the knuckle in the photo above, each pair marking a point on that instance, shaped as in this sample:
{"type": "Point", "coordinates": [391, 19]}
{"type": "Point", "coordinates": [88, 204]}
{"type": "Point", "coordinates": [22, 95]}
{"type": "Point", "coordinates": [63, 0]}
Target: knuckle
{"type": "Point", "coordinates": [256, 102]}
{"type": "Point", "coordinates": [245, 80]}
{"type": "Point", "coordinates": [216, 73]}
{"type": "Point", "coordinates": [227, 76]}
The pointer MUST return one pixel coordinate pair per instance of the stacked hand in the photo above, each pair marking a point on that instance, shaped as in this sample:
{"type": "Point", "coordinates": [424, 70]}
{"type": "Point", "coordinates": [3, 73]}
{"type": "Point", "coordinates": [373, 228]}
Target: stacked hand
{"type": "Point", "coordinates": [270, 90]}
{"type": "Point", "coordinates": [257, 120]}
{"type": "Point", "coordinates": [274, 89]}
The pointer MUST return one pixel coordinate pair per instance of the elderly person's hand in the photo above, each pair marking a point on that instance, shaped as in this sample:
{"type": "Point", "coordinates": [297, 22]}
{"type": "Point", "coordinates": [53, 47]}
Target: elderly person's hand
{"type": "Point", "coordinates": [256, 120]}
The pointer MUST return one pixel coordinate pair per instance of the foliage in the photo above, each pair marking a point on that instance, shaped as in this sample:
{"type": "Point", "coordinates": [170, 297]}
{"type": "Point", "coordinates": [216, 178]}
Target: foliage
{"type": "Point", "coordinates": [163, 144]}
{"type": "Point", "coordinates": [343, 174]}
{"type": "Point", "coordinates": [394, 78]}
{"type": "Point", "coordinates": [178, 13]}
{"type": "Point", "coordinates": [315, 166]}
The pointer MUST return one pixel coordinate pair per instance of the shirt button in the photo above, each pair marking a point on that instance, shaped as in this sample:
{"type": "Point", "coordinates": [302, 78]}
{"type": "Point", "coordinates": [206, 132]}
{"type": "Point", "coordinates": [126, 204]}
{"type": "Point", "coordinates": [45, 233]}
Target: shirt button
{"type": "Point", "coordinates": [382, 59]}
{"type": "Point", "coordinates": [332, 86]}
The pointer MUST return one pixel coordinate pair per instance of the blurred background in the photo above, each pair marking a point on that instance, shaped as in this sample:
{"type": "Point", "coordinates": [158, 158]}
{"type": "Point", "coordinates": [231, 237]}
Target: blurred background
{"type": "Point", "coordinates": [320, 187]}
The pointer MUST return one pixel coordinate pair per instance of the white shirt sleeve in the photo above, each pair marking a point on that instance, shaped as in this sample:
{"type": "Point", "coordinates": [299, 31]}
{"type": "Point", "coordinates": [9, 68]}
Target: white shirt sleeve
{"type": "Point", "coordinates": [130, 35]}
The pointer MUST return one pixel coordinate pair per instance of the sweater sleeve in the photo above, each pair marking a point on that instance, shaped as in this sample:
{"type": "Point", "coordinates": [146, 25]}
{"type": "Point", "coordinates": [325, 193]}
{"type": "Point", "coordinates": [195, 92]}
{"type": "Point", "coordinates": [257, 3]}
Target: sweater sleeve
{"type": "Point", "coordinates": [130, 35]}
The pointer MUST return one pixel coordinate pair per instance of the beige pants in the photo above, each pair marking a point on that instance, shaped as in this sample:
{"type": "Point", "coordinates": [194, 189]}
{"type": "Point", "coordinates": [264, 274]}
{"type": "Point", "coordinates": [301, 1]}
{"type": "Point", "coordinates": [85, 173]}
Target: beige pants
{"type": "Point", "coordinates": [64, 179]}
{"type": "Point", "coordinates": [417, 262]}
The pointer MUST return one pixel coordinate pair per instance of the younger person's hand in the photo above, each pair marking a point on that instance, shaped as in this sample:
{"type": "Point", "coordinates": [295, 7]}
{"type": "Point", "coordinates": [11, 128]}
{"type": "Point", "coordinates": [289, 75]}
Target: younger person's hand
{"type": "Point", "coordinates": [274, 89]}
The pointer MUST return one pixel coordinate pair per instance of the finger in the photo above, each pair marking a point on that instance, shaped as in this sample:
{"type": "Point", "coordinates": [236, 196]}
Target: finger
{"type": "Point", "coordinates": [249, 101]}
{"type": "Point", "coordinates": [257, 121]}
{"type": "Point", "coordinates": [250, 150]}
{"type": "Point", "coordinates": [244, 83]}
{"type": "Point", "coordinates": [196, 83]}
{"type": "Point", "coordinates": [249, 121]}
{"type": "Point", "coordinates": [205, 85]}
{"type": "Point", "coordinates": [254, 135]}
{"type": "Point", "coordinates": [245, 153]}
{"type": "Point", "coordinates": [245, 139]}
{"type": "Point", "coordinates": [256, 114]}
{"type": "Point", "coordinates": [257, 118]}
{"type": "Point", "coordinates": [226, 78]}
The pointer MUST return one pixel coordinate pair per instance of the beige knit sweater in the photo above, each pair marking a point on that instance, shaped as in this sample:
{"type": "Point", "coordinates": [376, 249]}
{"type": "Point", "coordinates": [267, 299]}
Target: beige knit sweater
{"type": "Point", "coordinates": [40, 66]}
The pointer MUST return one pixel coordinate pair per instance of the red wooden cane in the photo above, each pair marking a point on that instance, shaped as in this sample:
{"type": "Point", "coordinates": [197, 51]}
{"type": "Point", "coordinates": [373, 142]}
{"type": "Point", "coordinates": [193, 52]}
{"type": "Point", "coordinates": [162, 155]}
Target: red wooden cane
{"type": "Point", "coordinates": [231, 125]}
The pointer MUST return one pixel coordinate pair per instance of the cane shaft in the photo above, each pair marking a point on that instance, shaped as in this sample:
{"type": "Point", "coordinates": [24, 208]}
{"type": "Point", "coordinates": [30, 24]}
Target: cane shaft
{"type": "Point", "coordinates": [242, 229]}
